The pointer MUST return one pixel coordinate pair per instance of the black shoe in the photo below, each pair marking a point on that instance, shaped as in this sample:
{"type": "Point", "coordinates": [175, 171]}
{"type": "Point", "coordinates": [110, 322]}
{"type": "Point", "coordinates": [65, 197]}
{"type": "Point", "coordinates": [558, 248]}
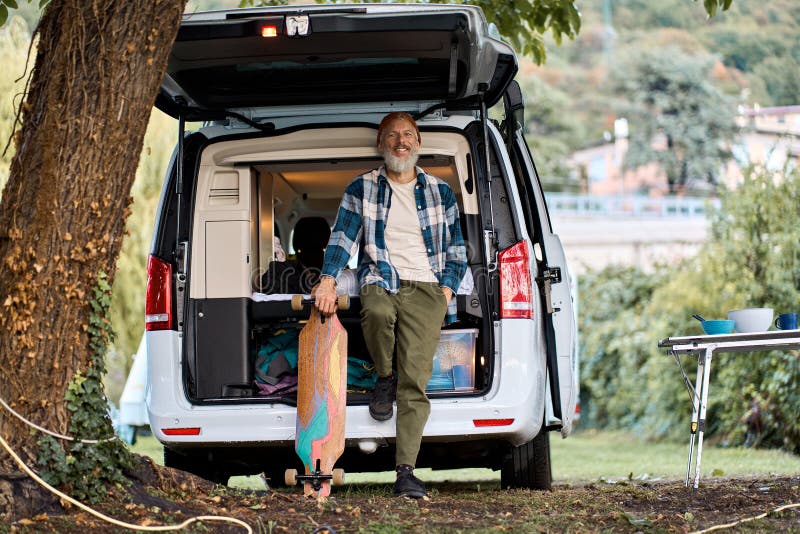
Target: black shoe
{"type": "Point", "coordinates": [407, 485]}
{"type": "Point", "coordinates": [380, 406]}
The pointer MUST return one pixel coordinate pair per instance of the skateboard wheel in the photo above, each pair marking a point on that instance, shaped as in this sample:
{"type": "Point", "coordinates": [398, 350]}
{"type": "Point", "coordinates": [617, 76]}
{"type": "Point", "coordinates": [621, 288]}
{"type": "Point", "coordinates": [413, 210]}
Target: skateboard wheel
{"type": "Point", "coordinates": [338, 477]}
{"type": "Point", "coordinates": [297, 302]}
{"type": "Point", "coordinates": [343, 302]}
{"type": "Point", "coordinates": [290, 477]}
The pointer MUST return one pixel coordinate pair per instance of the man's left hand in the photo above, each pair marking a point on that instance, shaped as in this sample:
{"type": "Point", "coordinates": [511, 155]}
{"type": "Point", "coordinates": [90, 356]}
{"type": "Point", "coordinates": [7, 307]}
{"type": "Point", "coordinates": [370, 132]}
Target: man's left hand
{"type": "Point", "coordinates": [448, 293]}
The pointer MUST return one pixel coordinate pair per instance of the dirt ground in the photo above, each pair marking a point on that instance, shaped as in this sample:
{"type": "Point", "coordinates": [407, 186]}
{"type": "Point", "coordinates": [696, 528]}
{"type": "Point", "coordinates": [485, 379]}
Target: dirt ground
{"type": "Point", "coordinates": [453, 507]}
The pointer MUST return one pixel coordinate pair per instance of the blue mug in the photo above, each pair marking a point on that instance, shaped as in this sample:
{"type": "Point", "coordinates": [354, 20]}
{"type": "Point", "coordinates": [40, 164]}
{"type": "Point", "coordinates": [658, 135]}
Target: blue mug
{"type": "Point", "coordinates": [786, 321]}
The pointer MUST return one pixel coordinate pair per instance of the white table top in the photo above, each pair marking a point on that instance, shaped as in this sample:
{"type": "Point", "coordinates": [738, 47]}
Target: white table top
{"type": "Point", "coordinates": [753, 341]}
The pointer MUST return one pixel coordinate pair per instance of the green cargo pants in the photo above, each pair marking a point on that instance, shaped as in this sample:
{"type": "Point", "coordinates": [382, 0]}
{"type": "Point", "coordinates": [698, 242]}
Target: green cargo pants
{"type": "Point", "coordinates": [407, 324]}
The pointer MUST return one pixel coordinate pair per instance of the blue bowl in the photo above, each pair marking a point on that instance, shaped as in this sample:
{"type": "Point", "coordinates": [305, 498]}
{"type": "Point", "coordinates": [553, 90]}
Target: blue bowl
{"type": "Point", "coordinates": [718, 326]}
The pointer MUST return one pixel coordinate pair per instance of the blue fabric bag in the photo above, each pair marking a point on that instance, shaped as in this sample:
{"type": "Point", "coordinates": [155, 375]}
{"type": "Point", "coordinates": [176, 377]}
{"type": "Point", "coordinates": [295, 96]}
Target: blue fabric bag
{"type": "Point", "coordinates": [277, 356]}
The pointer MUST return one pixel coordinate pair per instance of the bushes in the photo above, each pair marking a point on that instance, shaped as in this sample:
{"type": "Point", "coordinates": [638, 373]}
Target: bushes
{"type": "Point", "coordinates": [751, 260]}
{"type": "Point", "coordinates": [755, 245]}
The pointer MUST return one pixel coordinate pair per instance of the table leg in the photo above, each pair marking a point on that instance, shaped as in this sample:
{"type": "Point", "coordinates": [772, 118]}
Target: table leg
{"type": "Point", "coordinates": [701, 423]}
{"type": "Point", "coordinates": [695, 410]}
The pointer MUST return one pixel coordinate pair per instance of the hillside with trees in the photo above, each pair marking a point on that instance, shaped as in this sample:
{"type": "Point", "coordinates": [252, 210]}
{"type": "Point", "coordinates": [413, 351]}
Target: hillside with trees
{"type": "Point", "coordinates": [747, 55]}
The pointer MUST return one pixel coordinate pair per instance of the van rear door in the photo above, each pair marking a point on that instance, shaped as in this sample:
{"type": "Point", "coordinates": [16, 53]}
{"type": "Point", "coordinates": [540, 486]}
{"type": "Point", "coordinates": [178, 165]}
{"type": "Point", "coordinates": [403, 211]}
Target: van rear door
{"type": "Point", "coordinates": [250, 59]}
{"type": "Point", "coordinates": [551, 273]}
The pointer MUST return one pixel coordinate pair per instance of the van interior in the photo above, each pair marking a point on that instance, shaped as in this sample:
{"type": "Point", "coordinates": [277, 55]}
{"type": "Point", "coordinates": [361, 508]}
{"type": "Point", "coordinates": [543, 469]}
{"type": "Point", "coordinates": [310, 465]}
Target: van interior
{"type": "Point", "coordinates": [260, 227]}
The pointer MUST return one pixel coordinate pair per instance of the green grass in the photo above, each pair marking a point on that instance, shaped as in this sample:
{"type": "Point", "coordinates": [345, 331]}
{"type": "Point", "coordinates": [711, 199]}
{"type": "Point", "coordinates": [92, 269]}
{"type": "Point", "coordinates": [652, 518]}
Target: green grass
{"type": "Point", "coordinates": [592, 455]}
{"type": "Point", "coordinates": [149, 446]}
{"type": "Point", "coordinates": [586, 456]}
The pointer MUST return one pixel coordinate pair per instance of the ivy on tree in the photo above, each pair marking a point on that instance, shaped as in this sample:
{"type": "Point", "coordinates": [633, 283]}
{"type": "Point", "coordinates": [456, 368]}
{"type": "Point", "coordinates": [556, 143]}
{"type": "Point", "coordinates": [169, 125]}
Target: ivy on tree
{"type": "Point", "coordinates": [87, 468]}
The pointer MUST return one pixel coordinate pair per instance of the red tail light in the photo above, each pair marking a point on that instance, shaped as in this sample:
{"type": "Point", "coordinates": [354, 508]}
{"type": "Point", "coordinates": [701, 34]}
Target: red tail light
{"type": "Point", "coordinates": [158, 299]}
{"type": "Point", "coordinates": [492, 422]}
{"type": "Point", "coordinates": [515, 283]}
{"type": "Point", "coordinates": [188, 431]}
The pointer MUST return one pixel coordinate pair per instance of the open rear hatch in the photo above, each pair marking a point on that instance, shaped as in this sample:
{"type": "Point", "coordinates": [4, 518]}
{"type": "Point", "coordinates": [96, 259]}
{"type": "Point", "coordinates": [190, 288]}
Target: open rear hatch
{"type": "Point", "coordinates": [255, 58]}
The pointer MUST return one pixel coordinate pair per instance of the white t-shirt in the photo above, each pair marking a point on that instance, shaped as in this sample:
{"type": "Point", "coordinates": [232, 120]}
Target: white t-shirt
{"type": "Point", "coordinates": [404, 236]}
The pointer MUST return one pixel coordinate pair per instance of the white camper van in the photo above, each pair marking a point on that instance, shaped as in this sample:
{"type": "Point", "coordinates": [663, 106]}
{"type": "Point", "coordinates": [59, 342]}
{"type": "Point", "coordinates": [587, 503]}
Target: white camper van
{"type": "Point", "coordinates": [290, 99]}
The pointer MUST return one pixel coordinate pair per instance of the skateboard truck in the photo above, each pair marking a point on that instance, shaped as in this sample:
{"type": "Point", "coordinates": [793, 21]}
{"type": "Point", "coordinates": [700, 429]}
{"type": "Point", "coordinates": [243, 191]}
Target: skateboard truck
{"type": "Point", "coordinates": [315, 478]}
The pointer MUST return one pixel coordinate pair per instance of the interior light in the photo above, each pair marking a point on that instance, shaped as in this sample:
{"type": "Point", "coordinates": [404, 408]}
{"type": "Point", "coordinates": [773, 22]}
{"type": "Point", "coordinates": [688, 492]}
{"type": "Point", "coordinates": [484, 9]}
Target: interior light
{"type": "Point", "coordinates": [269, 31]}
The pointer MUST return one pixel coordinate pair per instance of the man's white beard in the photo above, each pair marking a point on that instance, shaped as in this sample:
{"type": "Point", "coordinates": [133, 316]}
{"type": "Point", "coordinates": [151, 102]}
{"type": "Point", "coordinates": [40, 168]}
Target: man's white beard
{"type": "Point", "coordinates": [396, 164]}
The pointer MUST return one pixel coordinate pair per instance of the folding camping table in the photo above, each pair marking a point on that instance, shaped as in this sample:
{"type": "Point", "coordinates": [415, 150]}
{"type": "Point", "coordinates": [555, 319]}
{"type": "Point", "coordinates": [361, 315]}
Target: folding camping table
{"type": "Point", "coordinates": [705, 347]}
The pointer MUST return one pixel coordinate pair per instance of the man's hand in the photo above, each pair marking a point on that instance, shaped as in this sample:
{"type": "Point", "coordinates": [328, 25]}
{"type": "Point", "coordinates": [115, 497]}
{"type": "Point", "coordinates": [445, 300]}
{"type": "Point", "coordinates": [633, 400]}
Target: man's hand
{"type": "Point", "coordinates": [325, 295]}
{"type": "Point", "coordinates": [448, 293]}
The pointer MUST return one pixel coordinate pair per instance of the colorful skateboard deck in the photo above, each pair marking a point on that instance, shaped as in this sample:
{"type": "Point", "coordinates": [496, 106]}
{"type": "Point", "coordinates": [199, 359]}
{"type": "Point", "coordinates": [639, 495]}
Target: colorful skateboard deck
{"type": "Point", "coordinates": [321, 403]}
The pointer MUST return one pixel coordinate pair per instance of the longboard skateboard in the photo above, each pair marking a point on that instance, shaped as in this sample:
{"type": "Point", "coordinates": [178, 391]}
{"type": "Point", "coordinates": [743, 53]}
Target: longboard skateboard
{"type": "Point", "coordinates": [321, 400]}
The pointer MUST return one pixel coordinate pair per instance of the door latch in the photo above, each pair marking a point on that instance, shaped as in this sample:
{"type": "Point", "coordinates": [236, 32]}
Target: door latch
{"type": "Point", "coordinates": [551, 274]}
{"type": "Point", "coordinates": [181, 259]}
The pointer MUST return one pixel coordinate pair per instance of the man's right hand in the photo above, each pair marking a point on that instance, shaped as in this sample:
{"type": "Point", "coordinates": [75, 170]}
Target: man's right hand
{"type": "Point", "coordinates": [325, 295]}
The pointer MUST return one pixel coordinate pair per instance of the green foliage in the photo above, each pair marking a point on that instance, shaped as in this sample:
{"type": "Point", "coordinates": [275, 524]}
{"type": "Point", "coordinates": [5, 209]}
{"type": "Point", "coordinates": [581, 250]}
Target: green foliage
{"type": "Point", "coordinates": [755, 245]}
{"type": "Point", "coordinates": [746, 45]}
{"type": "Point", "coordinates": [746, 35]}
{"type": "Point", "coordinates": [666, 14]}
{"type": "Point", "coordinates": [14, 38]}
{"type": "Point", "coordinates": [712, 6]}
{"type": "Point", "coordinates": [87, 468]}
{"type": "Point", "coordinates": [644, 13]}
{"type": "Point", "coordinates": [6, 5]}
{"type": "Point", "coordinates": [781, 75]}
{"type": "Point", "coordinates": [551, 134]}
{"type": "Point", "coordinates": [524, 23]}
{"type": "Point", "coordinates": [751, 260]}
{"type": "Point", "coordinates": [678, 119]}
{"type": "Point", "coordinates": [618, 352]}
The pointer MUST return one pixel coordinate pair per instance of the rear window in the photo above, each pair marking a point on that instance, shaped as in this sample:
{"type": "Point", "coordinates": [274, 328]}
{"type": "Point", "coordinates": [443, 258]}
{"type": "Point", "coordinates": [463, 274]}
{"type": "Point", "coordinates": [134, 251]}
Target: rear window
{"type": "Point", "coordinates": [345, 58]}
{"type": "Point", "coordinates": [303, 82]}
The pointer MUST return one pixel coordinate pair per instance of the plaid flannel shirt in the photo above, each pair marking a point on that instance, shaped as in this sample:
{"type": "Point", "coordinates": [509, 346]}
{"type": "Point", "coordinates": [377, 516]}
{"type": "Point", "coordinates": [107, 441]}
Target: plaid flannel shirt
{"type": "Point", "coordinates": [361, 220]}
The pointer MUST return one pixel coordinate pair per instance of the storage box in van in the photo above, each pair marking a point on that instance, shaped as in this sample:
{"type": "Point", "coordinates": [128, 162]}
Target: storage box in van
{"type": "Point", "coordinates": [454, 361]}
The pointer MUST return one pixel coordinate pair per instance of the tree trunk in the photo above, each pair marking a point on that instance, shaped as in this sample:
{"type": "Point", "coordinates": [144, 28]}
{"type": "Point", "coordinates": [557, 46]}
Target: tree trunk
{"type": "Point", "coordinates": [63, 211]}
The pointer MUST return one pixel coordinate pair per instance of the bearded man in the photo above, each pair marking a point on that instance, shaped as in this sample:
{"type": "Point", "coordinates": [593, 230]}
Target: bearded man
{"type": "Point", "coordinates": [405, 224]}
